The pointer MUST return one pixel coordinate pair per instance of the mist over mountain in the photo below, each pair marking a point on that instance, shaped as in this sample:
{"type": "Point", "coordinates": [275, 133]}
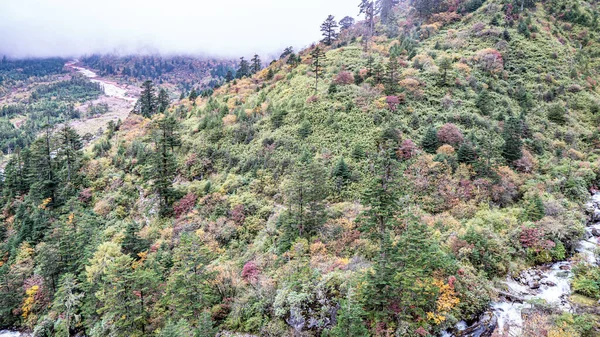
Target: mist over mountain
{"type": "Point", "coordinates": [71, 28]}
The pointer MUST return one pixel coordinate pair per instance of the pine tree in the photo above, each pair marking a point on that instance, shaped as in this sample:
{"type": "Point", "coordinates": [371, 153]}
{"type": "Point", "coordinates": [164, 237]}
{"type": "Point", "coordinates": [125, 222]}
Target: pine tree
{"type": "Point", "coordinates": [163, 100]}
{"type": "Point", "coordinates": [513, 145]}
{"type": "Point", "coordinates": [147, 104]}
{"type": "Point", "coordinates": [445, 64]}
{"type": "Point", "coordinates": [346, 23]}
{"type": "Point", "coordinates": [466, 153]}
{"type": "Point", "coordinates": [329, 30]}
{"type": "Point", "coordinates": [286, 52]}
{"type": "Point", "coordinates": [256, 64]}
{"type": "Point", "coordinates": [68, 154]}
{"type": "Point", "coordinates": [385, 9]}
{"type": "Point", "coordinates": [188, 289]}
{"type": "Point", "coordinates": [229, 77]}
{"type": "Point", "coordinates": [305, 193]}
{"type": "Point", "coordinates": [391, 77]}
{"type": "Point", "coordinates": [67, 301]}
{"type": "Point", "coordinates": [430, 142]}
{"type": "Point", "coordinates": [163, 165]}
{"type": "Point", "coordinates": [341, 174]}
{"type": "Point", "coordinates": [318, 58]}
{"type": "Point", "coordinates": [44, 181]}
{"type": "Point", "coordinates": [350, 321]}
{"type": "Point", "coordinates": [193, 95]}
{"type": "Point", "coordinates": [367, 7]}
{"type": "Point", "coordinates": [535, 208]}
{"type": "Point", "coordinates": [244, 69]}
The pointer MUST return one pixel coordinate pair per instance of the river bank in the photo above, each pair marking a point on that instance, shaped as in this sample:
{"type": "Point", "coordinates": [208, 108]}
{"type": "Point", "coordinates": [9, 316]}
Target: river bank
{"type": "Point", "coordinates": [549, 283]}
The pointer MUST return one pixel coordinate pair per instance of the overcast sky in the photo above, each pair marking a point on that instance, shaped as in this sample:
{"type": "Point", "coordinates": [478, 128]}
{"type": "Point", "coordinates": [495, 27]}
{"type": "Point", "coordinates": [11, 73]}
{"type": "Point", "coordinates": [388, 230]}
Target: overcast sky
{"type": "Point", "coordinates": [227, 28]}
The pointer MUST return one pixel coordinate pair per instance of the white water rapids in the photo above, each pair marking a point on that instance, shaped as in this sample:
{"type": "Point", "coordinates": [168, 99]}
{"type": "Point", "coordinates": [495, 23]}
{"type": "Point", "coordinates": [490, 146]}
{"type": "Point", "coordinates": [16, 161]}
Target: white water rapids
{"type": "Point", "coordinates": [550, 283]}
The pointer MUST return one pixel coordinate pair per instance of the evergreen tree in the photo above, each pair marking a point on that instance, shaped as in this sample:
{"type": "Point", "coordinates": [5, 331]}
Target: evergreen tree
{"type": "Point", "coordinates": [44, 181]}
{"type": "Point", "coordinates": [179, 329]}
{"type": "Point", "coordinates": [341, 174]}
{"type": "Point", "coordinates": [392, 77]}
{"type": "Point", "coordinates": [318, 58]}
{"type": "Point", "coordinates": [512, 149]}
{"type": "Point", "coordinates": [67, 301]}
{"type": "Point", "coordinates": [346, 23]}
{"type": "Point", "coordinates": [244, 69]}
{"type": "Point", "coordinates": [305, 193]}
{"type": "Point", "coordinates": [483, 102]}
{"type": "Point", "coordinates": [445, 64]}
{"type": "Point", "coordinates": [162, 169]}
{"type": "Point", "coordinates": [427, 7]}
{"type": "Point", "coordinates": [256, 64]}
{"type": "Point", "coordinates": [163, 100]}
{"type": "Point", "coordinates": [535, 208]}
{"type": "Point", "coordinates": [430, 142]}
{"type": "Point", "coordinates": [188, 289]}
{"type": "Point", "coordinates": [329, 30]}
{"type": "Point", "coordinates": [229, 77]}
{"type": "Point", "coordinates": [193, 95]}
{"type": "Point", "coordinates": [385, 9]}
{"type": "Point", "coordinates": [367, 7]}
{"type": "Point", "coordinates": [147, 104]}
{"type": "Point", "coordinates": [466, 153]}
{"type": "Point", "coordinates": [350, 319]}
{"type": "Point", "coordinates": [69, 154]}
{"type": "Point", "coordinates": [286, 52]}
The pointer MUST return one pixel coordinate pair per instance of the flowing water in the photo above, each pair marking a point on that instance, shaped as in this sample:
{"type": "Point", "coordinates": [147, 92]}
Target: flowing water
{"type": "Point", "coordinates": [111, 89]}
{"type": "Point", "coordinates": [6, 333]}
{"type": "Point", "coordinates": [550, 283]}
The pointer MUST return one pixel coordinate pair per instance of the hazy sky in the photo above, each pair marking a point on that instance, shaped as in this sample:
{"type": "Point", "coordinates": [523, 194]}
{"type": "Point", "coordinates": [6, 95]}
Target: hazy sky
{"type": "Point", "coordinates": [215, 27]}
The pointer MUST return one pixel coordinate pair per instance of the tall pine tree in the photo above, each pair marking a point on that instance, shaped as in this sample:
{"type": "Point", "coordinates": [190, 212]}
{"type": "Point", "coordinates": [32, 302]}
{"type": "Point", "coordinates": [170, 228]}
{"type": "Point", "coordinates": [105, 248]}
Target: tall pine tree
{"type": "Point", "coordinates": [329, 30]}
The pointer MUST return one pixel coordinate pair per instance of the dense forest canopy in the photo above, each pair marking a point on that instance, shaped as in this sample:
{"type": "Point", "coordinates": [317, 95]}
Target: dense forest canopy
{"type": "Point", "coordinates": [385, 181]}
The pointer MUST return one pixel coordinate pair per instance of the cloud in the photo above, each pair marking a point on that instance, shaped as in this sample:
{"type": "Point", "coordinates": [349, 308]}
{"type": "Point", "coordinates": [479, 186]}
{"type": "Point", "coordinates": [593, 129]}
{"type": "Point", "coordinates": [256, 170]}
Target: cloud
{"type": "Point", "coordinates": [226, 28]}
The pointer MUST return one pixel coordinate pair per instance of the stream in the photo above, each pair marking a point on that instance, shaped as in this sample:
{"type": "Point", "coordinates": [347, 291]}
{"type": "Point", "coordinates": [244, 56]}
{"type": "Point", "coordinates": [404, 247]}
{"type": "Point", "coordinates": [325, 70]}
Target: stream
{"type": "Point", "coordinates": [550, 283]}
{"type": "Point", "coordinates": [111, 89]}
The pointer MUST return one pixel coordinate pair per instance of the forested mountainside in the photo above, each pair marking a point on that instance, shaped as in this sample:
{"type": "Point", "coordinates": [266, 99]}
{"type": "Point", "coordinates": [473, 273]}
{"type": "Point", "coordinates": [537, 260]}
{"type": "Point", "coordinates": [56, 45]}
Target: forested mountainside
{"type": "Point", "coordinates": [383, 182]}
{"type": "Point", "coordinates": [182, 73]}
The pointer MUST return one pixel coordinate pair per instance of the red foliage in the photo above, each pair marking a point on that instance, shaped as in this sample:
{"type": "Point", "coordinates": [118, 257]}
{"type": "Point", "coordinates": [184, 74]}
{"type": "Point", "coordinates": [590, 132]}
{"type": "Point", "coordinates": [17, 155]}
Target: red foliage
{"type": "Point", "coordinates": [407, 149]}
{"type": "Point", "coordinates": [312, 99]}
{"type": "Point", "coordinates": [344, 78]}
{"type": "Point", "coordinates": [421, 331]}
{"type": "Point", "coordinates": [238, 215]}
{"type": "Point", "coordinates": [85, 195]}
{"type": "Point", "coordinates": [392, 102]}
{"type": "Point", "coordinates": [250, 272]}
{"type": "Point", "coordinates": [185, 205]}
{"type": "Point", "coordinates": [450, 134]}
{"type": "Point", "coordinates": [534, 238]}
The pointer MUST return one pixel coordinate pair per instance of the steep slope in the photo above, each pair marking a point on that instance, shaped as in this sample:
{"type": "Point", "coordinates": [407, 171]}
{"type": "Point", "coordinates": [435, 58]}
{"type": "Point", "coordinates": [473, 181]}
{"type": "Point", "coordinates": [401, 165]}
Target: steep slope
{"type": "Point", "coordinates": [433, 159]}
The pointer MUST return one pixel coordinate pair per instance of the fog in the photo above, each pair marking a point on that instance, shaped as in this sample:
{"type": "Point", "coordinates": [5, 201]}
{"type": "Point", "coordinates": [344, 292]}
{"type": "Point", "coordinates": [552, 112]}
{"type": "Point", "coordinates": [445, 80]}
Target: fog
{"type": "Point", "coordinates": [68, 28]}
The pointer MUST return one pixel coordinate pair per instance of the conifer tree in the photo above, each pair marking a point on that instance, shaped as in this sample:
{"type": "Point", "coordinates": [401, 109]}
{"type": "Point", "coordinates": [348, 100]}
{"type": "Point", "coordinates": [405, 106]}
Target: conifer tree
{"type": "Point", "coordinates": [193, 95]}
{"type": "Point", "coordinates": [286, 52]}
{"type": "Point", "coordinates": [430, 142]}
{"type": "Point", "coordinates": [244, 69]}
{"type": "Point", "coordinates": [43, 176]}
{"type": "Point", "coordinates": [163, 100]}
{"type": "Point", "coordinates": [341, 174]}
{"type": "Point", "coordinates": [305, 193]}
{"type": "Point", "coordinates": [346, 22]}
{"type": "Point", "coordinates": [147, 104]}
{"type": "Point", "coordinates": [229, 77]}
{"type": "Point", "coordinates": [318, 58]}
{"type": "Point", "coordinates": [69, 151]}
{"type": "Point", "coordinates": [385, 9]}
{"type": "Point", "coordinates": [256, 64]}
{"type": "Point", "coordinates": [350, 318]}
{"type": "Point", "coordinates": [67, 301]}
{"type": "Point", "coordinates": [535, 208]}
{"type": "Point", "coordinates": [163, 165]}
{"type": "Point", "coordinates": [445, 64]}
{"type": "Point", "coordinates": [329, 30]}
{"type": "Point", "coordinates": [367, 7]}
{"type": "Point", "coordinates": [466, 153]}
{"type": "Point", "coordinates": [513, 145]}
{"type": "Point", "coordinates": [392, 76]}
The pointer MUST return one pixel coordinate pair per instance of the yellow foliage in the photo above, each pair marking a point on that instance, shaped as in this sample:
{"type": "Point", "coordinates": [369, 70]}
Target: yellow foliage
{"type": "Point", "coordinates": [229, 120]}
{"type": "Point", "coordinates": [445, 149]}
{"type": "Point", "coordinates": [45, 203]}
{"type": "Point", "coordinates": [446, 301]}
{"type": "Point", "coordinates": [29, 301]}
{"type": "Point", "coordinates": [463, 68]}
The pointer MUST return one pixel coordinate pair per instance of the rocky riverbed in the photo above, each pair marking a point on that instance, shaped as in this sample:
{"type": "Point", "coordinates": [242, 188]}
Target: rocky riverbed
{"type": "Point", "coordinates": [550, 283]}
